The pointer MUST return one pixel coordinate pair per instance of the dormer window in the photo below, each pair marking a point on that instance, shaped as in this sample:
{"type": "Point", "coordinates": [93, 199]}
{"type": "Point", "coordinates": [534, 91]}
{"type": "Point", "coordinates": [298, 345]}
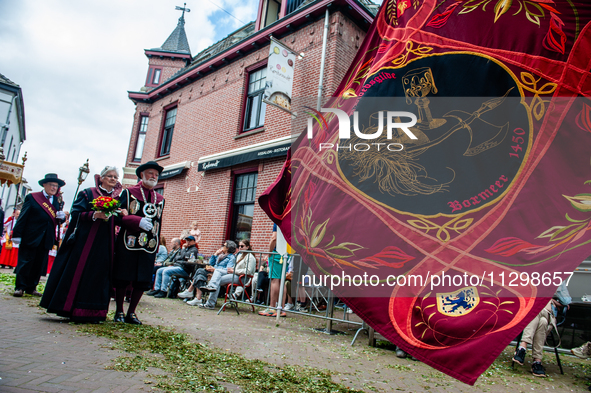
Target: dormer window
{"type": "Point", "coordinates": [154, 76]}
{"type": "Point", "coordinates": [271, 12]}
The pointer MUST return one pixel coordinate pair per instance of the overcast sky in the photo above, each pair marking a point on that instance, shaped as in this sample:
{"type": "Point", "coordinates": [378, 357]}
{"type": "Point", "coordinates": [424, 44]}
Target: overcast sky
{"type": "Point", "coordinates": [75, 62]}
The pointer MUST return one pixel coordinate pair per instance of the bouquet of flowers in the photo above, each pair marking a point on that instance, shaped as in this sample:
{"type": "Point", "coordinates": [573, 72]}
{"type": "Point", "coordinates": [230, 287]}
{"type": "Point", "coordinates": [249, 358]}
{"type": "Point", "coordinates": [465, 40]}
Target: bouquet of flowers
{"type": "Point", "coordinates": [107, 205]}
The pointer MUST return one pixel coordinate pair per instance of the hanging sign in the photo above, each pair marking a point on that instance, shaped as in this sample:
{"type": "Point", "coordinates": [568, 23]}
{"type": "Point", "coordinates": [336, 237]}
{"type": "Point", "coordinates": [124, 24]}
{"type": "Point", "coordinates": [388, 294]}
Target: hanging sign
{"type": "Point", "coordinates": [279, 80]}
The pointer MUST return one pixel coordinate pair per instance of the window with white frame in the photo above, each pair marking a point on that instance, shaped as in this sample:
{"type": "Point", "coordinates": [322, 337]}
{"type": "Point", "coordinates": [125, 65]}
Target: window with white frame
{"type": "Point", "coordinates": [169, 122]}
{"type": "Point", "coordinates": [141, 138]}
{"type": "Point", "coordinates": [254, 115]}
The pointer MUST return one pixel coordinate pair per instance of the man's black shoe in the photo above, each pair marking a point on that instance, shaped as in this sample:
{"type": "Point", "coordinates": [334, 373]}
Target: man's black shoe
{"type": "Point", "coordinates": [152, 292]}
{"type": "Point", "coordinates": [160, 294]}
{"type": "Point", "coordinates": [538, 370]}
{"type": "Point", "coordinates": [18, 293]}
{"type": "Point", "coordinates": [132, 319]}
{"type": "Point", "coordinates": [119, 317]}
{"type": "Point", "coordinates": [519, 356]}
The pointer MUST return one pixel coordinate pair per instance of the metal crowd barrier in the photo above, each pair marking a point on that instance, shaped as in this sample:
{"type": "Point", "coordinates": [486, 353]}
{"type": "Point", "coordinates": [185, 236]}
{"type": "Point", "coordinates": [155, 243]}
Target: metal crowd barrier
{"type": "Point", "coordinates": [299, 288]}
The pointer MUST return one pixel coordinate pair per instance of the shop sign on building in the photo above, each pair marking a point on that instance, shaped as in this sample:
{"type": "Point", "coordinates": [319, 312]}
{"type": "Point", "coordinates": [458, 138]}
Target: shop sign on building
{"type": "Point", "coordinates": [227, 159]}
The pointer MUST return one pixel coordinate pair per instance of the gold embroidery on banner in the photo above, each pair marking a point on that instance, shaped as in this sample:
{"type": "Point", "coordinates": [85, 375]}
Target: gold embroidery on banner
{"type": "Point", "coordinates": [426, 313]}
{"type": "Point", "coordinates": [484, 206]}
{"type": "Point", "coordinates": [420, 51]}
{"type": "Point", "coordinates": [392, 12]}
{"type": "Point", "coordinates": [537, 107]}
{"type": "Point", "coordinates": [330, 156]}
{"type": "Point", "coordinates": [459, 303]}
{"type": "Point", "coordinates": [442, 230]}
{"type": "Point", "coordinates": [349, 93]}
{"type": "Point", "coordinates": [402, 174]}
{"type": "Point", "coordinates": [362, 68]}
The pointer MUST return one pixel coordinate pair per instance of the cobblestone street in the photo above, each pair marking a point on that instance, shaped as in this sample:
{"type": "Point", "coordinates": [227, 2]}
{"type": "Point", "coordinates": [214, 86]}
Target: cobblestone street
{"type": "Point", "coordinates": [44, 353]}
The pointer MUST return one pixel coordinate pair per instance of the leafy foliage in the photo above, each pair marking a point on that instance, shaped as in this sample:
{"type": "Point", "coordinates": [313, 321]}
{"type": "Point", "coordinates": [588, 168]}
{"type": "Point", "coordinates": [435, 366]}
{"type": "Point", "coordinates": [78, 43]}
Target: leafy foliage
{"type": "Point", "coordinates": [190, 366]}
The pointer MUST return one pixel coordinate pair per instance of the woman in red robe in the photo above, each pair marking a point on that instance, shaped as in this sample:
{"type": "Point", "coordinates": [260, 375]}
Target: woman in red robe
{"type": "Point", "coordinates": [9, 254]}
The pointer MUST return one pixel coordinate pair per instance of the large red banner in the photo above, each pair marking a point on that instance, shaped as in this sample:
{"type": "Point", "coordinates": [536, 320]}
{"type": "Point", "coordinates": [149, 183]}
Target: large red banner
{"type": "Point", "coordinates": [448, 235]}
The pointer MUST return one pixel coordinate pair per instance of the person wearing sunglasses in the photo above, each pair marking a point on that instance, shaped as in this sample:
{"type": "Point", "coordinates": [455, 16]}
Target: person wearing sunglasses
{"type": "Point", "coordinates": [221, 264]}
{"type": "Point", "coordinates": [222, 259]}
{"type": "Point", "coordinates": [246, 264]}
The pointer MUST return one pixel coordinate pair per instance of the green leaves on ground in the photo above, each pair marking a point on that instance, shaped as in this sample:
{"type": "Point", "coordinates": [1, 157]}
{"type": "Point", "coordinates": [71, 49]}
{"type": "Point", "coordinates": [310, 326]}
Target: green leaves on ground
{"type": "Point", "coordinates": [190, 366]}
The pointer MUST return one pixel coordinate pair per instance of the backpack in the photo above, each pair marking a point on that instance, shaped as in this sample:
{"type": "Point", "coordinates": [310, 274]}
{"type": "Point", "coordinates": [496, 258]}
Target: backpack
{"type": "Point", "coordinates": [174, 287]}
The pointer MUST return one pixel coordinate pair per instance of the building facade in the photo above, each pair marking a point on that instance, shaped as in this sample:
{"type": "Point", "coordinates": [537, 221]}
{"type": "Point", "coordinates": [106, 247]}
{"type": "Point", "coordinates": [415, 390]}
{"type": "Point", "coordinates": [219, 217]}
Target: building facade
{"type": "Point", "coordinates": [12, 136]}
{"type": "Point", "coordinates": [202, 117]}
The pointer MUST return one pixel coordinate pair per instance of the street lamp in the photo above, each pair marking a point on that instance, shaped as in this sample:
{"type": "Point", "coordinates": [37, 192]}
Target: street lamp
{"type": "Point", "coordinates": [84, 171]}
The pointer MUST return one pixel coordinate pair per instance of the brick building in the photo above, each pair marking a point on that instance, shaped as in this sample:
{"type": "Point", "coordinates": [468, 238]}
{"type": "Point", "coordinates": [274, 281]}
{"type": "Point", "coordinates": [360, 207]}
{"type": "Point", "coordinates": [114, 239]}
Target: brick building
{"type": "Point", "coordinates": [201, 117]}
{"type": "Point", "coordinates": [12, 136]}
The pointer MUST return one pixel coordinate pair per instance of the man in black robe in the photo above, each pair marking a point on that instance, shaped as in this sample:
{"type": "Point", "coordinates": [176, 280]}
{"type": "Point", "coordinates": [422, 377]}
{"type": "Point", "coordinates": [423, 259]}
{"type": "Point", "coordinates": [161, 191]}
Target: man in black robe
{"type": "Point", "coordinates": [36, 232]}
{"type": "Point", "coordinates": [138, 240]}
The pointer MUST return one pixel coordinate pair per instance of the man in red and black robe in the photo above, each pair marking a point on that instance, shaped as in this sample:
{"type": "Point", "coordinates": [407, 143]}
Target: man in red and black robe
{"type": "Point", "coordinates": [138, 240]}
{"type": "Point", "coordinates": [35, 231]}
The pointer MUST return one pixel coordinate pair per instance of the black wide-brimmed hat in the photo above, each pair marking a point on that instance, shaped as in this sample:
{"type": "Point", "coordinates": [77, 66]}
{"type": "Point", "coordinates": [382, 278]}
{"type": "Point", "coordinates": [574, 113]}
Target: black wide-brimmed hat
{"type": "Point", "coordinates": [148, 165]}
{"type": "Point", "coordinates": [52, 177]}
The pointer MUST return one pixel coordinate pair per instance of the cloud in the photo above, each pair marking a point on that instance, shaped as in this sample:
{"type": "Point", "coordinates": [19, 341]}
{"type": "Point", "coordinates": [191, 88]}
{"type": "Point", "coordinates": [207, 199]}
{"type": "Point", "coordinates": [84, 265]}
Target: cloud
{"type": "Point", "coordinates": [244, 10]}
{"type": "Point", "coordinates": [75, 62]}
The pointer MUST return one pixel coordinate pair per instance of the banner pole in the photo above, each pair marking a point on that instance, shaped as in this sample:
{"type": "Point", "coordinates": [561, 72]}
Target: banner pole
{"type": "Point", "coordinates": [322, 61]}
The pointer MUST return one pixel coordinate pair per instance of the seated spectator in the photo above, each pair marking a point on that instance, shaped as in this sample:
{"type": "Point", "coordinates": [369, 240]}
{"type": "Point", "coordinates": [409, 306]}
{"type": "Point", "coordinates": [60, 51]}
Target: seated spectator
{"type": "Point", "coordinates": [230, 273]}
{"type": "Point", "coordinates": [168, 260]}
{"type": "Point", "coordinates": [536, 331]}
{"type": "Point", "coordinates": [246, 263]}
{"type": "Point", "coordinates": [583, 352]}
{"type": "Point", "coordinates": [183, 267]}
{"type": "Point", "coordinates": [162, 252]}
{"type": "Point", "coordinates": [220, 260]}
{"type": "Point", "coordinates": [260, 282]}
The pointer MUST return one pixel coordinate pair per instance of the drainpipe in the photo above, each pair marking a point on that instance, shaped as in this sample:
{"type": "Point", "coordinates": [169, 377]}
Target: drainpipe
{"type": "Point", "coordinates": [322, 61]}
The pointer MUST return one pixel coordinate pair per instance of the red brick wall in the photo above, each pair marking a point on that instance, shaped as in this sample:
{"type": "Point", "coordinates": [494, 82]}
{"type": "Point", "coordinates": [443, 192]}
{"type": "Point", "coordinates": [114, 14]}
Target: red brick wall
{"type": "Point", "coordinates": [209, 117]}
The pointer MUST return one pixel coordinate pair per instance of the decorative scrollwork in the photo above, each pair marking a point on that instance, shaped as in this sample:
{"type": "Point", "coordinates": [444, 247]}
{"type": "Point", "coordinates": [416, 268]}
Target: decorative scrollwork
{"type": "Point", "coordinates": [419, 51]}
{"type": "Point", "coordinates": [537, 107]}
{"type": "Point", "coordinates": [443, 231]}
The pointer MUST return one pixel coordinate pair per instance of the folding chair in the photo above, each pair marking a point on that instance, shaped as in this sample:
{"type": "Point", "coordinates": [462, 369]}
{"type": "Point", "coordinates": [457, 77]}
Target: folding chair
{"type": "Point", "coordinates": [316, 293]}
{"type": "Point", "coordinates": [551, 335]}
{"type": "Point", "coordinates": [240, 283]}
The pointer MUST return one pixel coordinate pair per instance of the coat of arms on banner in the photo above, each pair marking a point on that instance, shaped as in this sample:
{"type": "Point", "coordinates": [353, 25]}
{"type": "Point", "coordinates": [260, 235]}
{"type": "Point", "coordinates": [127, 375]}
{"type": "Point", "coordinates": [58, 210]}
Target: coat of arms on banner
{"type": "Point", "coordinates": [458, 303]}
